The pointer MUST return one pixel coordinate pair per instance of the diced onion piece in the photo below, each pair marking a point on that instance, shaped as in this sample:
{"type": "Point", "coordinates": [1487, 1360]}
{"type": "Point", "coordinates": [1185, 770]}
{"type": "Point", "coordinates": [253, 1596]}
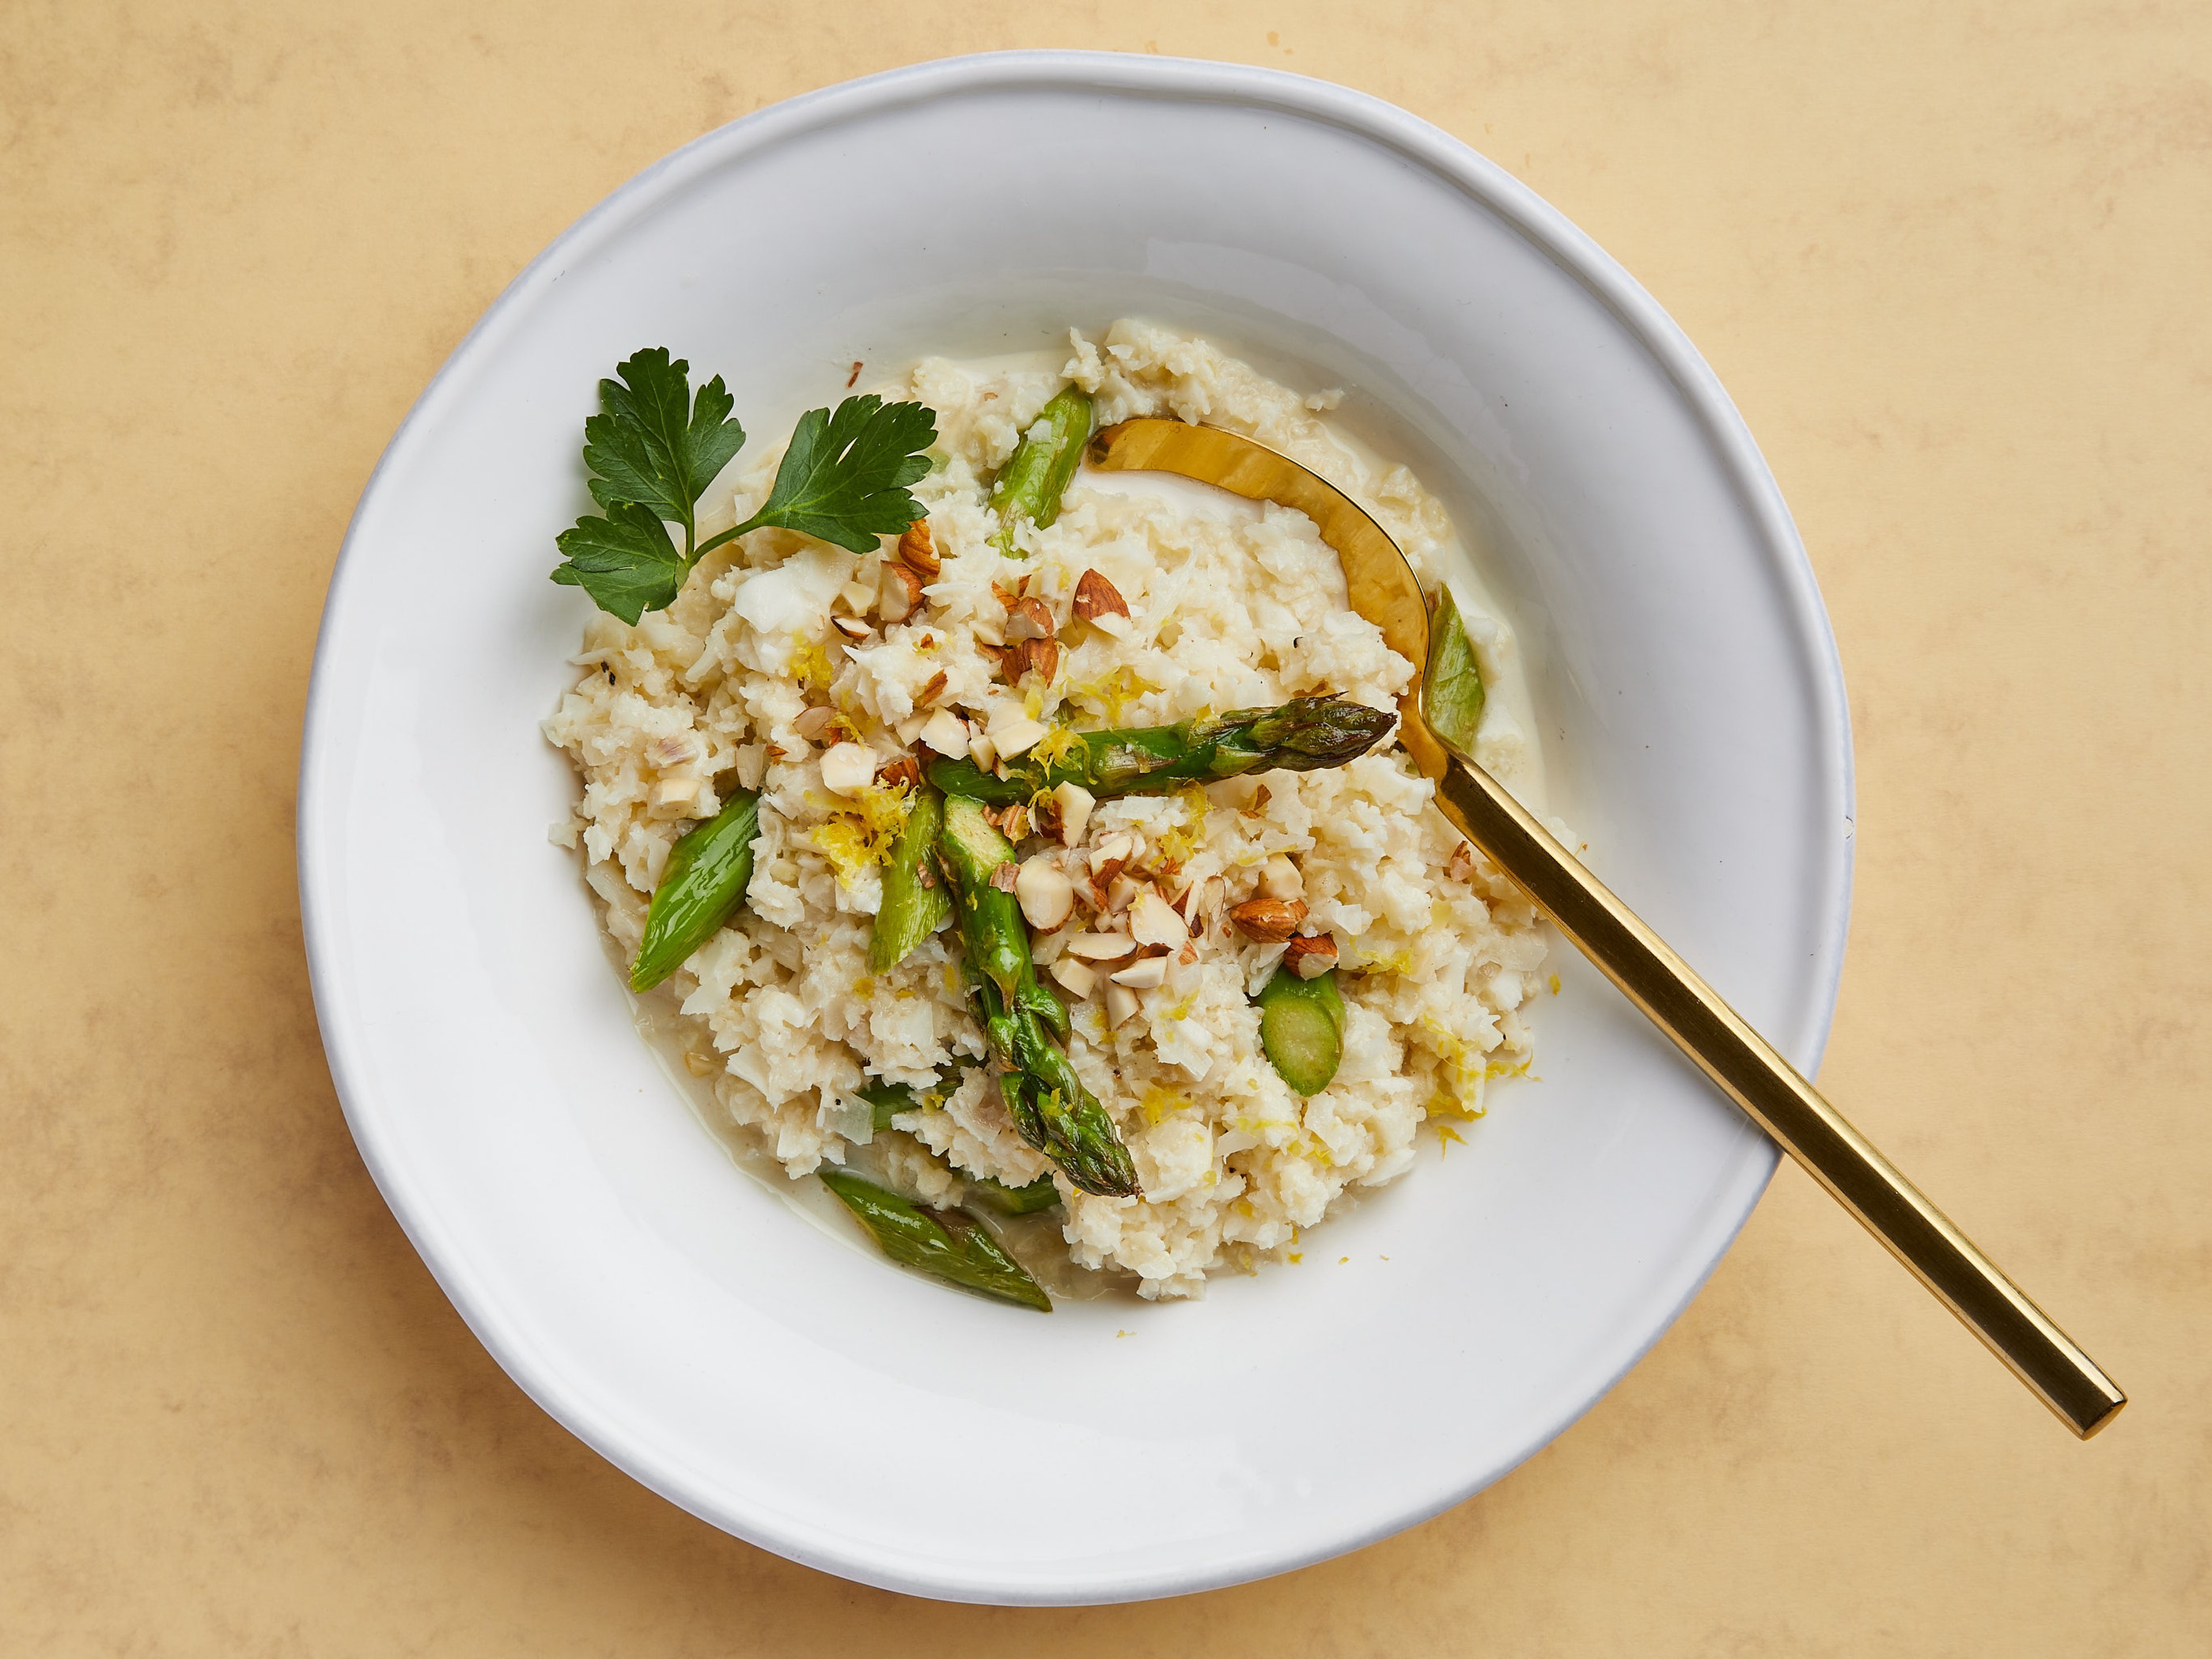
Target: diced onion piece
{"type": "Point", "coordinates": [848, 768]}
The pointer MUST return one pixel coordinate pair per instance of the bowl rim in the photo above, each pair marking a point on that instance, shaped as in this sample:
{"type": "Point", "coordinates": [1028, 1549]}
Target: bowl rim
{"type": "Point", "coordinates": [1364, 115]}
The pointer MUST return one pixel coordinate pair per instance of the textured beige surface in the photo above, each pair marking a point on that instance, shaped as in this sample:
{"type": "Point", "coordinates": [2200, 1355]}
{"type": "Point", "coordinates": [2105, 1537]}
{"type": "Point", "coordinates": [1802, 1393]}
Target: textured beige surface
{"type": "Point", "coordinates": [1952, 268]}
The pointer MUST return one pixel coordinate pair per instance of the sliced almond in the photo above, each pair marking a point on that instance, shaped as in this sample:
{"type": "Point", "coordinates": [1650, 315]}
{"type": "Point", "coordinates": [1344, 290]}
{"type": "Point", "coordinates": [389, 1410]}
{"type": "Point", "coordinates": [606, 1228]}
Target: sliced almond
{"type": "Point", "coordinates": [899, 593]}
{"type": "Point", "coordinates": [1311, 956]}
{"type": "Point", "coordinates": [1152, 920]}
{"type": "Point", "coordinates": [1045, 893]}
{"type": "Point", "coordinates": [1121, 1003]}
{"type": "Point", "coordinates": [917, 550]}
{"type": "Point", "coordinates": [856, 596]}
{"type": "Point", "coordinates": [982, 751]}
{"type": "Point", "coordinates": [1188, 954]}
{"type": "Point", "coordinates": [1280, 878]}
{"type": "Point", "coordinates": [1268, 921]}
{"type": "Point", "coordinates": [1096, 597]}
{"type": "Point", "coordinates": [1004, 876]}
{"type": "Point", "coordinates": [1099, 947]}
{"type": "Point", "coordinates": [813, 723]}
{"type": "Point", "coordinates": [903, 769]}
{"type": "Point", "coordinates": [1148, 974]}
{"type": "Point", "coordinates": [933, 691]}
{"type": "Point", "coordinates": [1028, 619]}
{"type": "Point", "coordinates": [1076, 979]}
{"type": "Point", "coordinates": [1121, 893]}
{"type": "Point", "coordinates": [852, 627]}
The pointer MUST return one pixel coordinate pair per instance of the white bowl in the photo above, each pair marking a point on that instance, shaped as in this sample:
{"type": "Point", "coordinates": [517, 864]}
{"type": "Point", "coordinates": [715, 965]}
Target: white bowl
{"type": "Point", "coordinates": [677, 1315]}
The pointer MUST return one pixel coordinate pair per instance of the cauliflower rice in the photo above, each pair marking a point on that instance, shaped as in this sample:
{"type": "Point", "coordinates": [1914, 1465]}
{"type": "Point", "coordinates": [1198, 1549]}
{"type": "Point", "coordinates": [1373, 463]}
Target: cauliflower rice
{"type": "Point", "coordinates": [1232, 606]}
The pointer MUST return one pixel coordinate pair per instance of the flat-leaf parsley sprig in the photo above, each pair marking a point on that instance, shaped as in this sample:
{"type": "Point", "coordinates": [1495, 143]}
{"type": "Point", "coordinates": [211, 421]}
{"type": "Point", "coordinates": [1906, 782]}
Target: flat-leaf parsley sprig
{"type": "Point", "coordinates": [653, 449]}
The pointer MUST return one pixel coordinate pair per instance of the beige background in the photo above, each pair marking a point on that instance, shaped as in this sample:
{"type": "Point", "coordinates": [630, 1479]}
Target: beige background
{"type": "Point", "coordinates": [1951, 260]}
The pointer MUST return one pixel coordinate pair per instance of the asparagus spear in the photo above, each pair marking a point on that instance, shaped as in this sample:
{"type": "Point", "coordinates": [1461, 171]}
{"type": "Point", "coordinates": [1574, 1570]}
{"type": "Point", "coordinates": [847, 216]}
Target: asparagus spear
{"type": "Point", "coordinates": [915, 903]}
{"type": "Point", "coordinates": [1037, 473]}
{"type": "Point", "coordinates": [947, 1245]}
{"type": "Point", "coordinates": [1300, 736]}
{"type": "Point", "coordinates": [701, 885]}
{"type": "Point", "coordinates": [1050, 1107]}
{"type": "Point", "coordinates": [1451, 685]}
{"type": "Point", "coordinates": [1302, 1028]}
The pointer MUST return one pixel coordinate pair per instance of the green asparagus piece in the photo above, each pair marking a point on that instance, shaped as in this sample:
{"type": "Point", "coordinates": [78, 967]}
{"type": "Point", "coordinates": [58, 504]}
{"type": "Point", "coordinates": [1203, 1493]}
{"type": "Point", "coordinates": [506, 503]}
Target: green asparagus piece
{"type": "Point", "coordinates": [701, 885]}
{"type": "Point", "coordinates": [1302, 1028]}
{"type": "Point", "coordinates": [1451, 685]}
{"type": "Point", "coordinates": [1042, 1193]}
{"type": "Point", "coordinates": [1038, 472]}
{"type": "Point", "coordinates": [1050, 1107]}
{"type": "Point", "coordinates": [915, 903]}
{"type": "Point", "coordinates": [947, 1245]}
{"type": "Point", "coordinates": [1299, 736]}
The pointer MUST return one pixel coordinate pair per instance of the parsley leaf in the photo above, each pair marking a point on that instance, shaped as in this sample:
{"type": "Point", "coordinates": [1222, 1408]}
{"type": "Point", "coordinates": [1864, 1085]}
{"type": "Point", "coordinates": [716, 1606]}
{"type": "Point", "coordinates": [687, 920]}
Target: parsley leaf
{"type": "Point", "coordinates": [653, 449]}
{"type": "Point", "coordinates": [625, 561]}
{"type": "Point", "coordinates": [844, 478]}
{"type": "Point", "coordinates": [644, 449]}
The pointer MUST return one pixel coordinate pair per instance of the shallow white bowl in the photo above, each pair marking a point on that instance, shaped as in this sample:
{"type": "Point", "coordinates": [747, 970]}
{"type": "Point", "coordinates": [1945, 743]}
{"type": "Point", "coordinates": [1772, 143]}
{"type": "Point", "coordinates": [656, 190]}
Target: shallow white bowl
{"type": "Point", "coordinates": [679, 1316]}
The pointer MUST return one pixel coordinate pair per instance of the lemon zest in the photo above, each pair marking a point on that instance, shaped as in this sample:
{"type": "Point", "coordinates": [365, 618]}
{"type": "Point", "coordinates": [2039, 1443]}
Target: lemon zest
{"type": "Point", "coordinates": [810, 665]}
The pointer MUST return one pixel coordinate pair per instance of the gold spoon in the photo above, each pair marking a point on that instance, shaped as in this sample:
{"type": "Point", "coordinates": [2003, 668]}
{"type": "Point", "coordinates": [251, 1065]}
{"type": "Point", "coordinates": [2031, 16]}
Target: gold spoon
{"type": "Point", "coordinates": [1382, 588]}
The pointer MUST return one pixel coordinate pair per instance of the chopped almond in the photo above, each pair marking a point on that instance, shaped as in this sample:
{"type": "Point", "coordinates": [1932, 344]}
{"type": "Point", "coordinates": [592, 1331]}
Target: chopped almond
{"type": "Point", "coordinates": [1462, 867]}
{"type": "Point", "coordinates": [1028, 619]}
{"type": "Point", "coordinates": [1076, 979]}
{"type": "Point", "coordinates": [1004, 876]}
{"type": "Point", "coordinates": [1073, 802]}
{"type": "Point", "coordinates": [1121, 1003]}
{"type": "Point", "coordinates": [899, 594]}
{"type": "Point", "coordinates": [1279, 879]}
{"type": "Point", "coordinates": [1152, 920]}
{"type": "Point", "coordinates": [903, 769]}
{"type": "Point", "coordinates": [1100, 947]}
{"type": "Point", "coordinates": [935, 689]}
{"type": "Point", "coordinates": [1046, 894]}
{"type": "Point", "coordinates": [1037, 657]}
{"type": "Point", "coordinates": [945, 733]}
{"type": "Point", "coordinates": [1096, 597]}
{"type": "Point", "coordinates": [852, 627]}
{"type": "Point", "coordinates": [1311, 956]}
{"type": "Point", "coordinates": [1146, 975]}
{"type": "Point", "coordinates": [813, 723]}
{"type": "Point", "coordinates": [917, 551]}
{"type": "Point", "coordinates": [1268, 921]}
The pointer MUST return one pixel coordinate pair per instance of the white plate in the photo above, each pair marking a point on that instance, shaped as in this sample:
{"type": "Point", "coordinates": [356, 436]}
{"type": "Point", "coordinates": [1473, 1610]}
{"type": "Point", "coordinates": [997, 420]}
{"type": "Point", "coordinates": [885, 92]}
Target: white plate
{"type": "Point", "coordinates": [676, 1315]}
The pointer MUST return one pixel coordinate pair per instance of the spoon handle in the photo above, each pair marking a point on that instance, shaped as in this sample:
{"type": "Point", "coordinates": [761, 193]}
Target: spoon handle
{"type": "Point", "coordinates": [1779, 1101]}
